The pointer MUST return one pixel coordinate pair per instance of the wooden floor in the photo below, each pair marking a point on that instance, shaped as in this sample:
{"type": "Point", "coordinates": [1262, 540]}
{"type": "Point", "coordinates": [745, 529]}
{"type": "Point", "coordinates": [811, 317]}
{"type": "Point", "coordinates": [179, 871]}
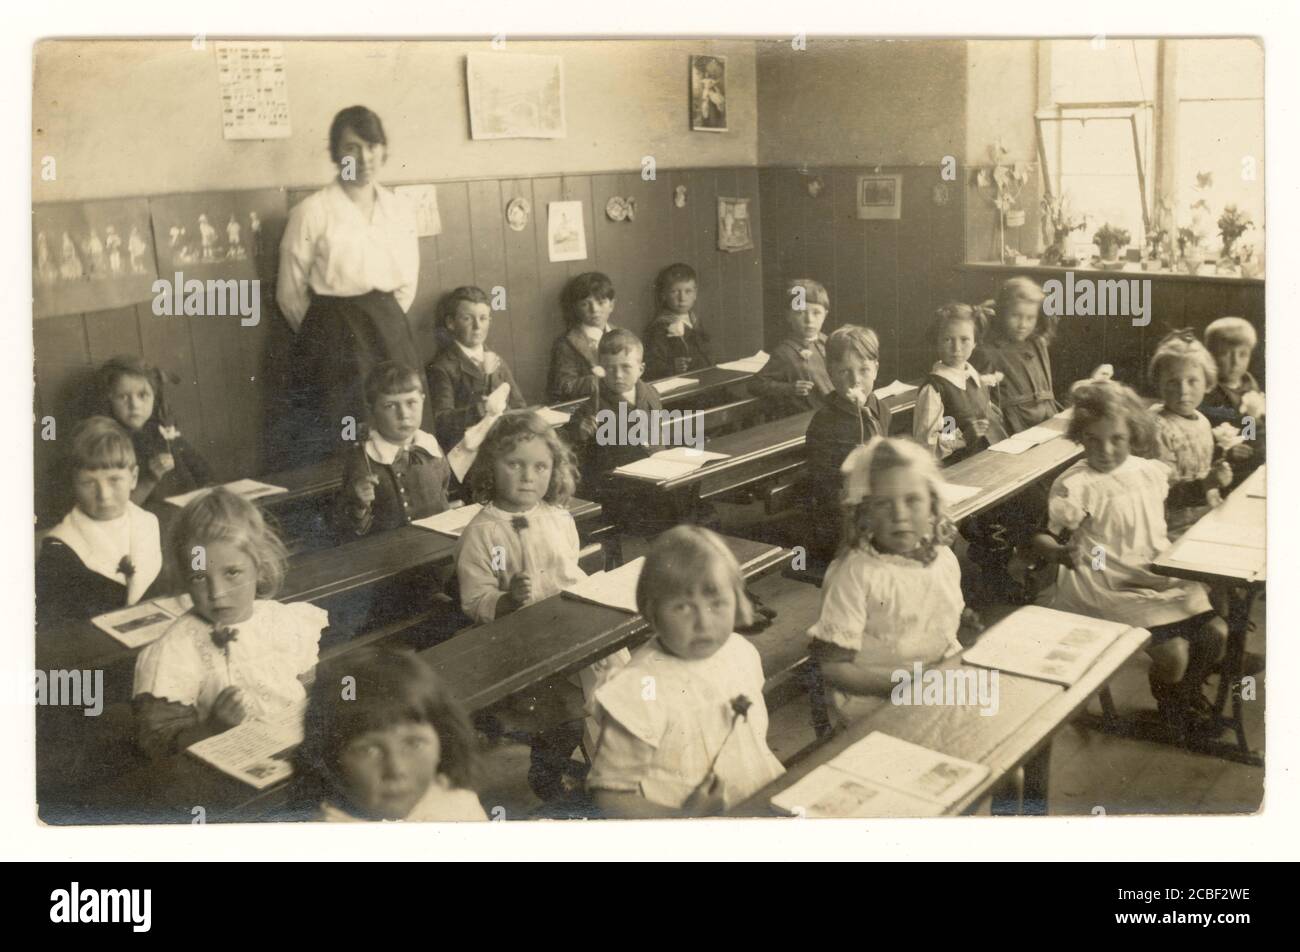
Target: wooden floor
{"type": "Point", "coordinates": [1091, 771]}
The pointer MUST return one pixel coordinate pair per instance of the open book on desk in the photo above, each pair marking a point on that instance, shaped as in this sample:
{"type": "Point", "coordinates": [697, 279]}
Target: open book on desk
{"type": "Point", "coordinates": [669, 384]}
{"type": "Point", "coordinates": [553, 417]}
{"type": "Point", "coordinates": [1045, 644]}
{"type": "Point", "coordinates": [256, 751]}
{"type": "Point", "coordinates": [747, 365]}
{"type": "Point", "coordinates": [669, 464]}
{"type": "Point", "coordinates": [1026, 440]}
{"type": "Point", "coordinates": [895, 389]}
{"type": "Point", "coordinates": [143, 623]}
{"type": "Point", "coordinates": [614, 589]}
{"type": "Point", "coordinates": [882, 776]}
{"type": "Point", "coordinates": [250, 489]}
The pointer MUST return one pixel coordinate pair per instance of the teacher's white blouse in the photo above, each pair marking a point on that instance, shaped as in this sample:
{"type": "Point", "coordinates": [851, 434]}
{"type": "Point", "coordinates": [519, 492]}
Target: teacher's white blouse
{"type": "Point", "coordinates": [329, 247]}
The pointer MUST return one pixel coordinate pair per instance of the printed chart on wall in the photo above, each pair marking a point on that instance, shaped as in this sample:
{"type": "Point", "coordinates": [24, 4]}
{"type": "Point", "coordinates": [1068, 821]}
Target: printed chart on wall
{"type": "Point", "coordinates": [254, 90]}
{"type": "Point", "coordinates": [91, 256]}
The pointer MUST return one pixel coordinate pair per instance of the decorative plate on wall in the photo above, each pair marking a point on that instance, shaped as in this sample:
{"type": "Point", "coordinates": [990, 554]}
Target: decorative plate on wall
{"type": "Point", "coordinates": [517, 213]}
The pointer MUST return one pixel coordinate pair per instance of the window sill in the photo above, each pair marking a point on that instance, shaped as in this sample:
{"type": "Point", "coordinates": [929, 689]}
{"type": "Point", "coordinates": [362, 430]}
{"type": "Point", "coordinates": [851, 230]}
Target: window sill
{"type": "Point", "coordinates": [1130, 270]}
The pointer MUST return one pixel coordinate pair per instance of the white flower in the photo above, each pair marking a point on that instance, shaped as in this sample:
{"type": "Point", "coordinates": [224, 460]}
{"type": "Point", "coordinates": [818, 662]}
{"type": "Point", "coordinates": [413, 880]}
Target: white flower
{"type": "Point", "coordinates": [991, 380]}
{"type": "Point", "coordinates": [805, 355]}
{"type": "Point", "coordinates": [858, 396]}
{"type": "Point", "coordinates": [598, 372]}
{"type": "Point", "coordinates": [1226, 436]}
{"type": "Point", "coordinates": [491, 362]}
{"type": "Point", "coordinates": [169, 433]}
{"type": "Point", "coordinates": [1252, 403]}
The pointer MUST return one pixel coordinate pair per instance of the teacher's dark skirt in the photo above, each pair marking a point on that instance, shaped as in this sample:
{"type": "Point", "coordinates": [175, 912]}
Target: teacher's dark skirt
{"type": "Point", "coordinates": [340, 340]}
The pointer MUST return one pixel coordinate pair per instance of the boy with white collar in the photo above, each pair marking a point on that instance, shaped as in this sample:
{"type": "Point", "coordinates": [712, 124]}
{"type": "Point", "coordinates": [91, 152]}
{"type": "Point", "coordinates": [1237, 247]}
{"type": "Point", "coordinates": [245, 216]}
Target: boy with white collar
{"type": "Point", "coordinates": [465, 372]}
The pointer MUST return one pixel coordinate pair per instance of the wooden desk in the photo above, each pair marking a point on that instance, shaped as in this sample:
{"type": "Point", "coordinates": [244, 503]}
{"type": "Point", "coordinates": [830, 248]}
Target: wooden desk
{"type": "Point", "coordinates": [1029, 713]}
{"type": "Point", "coordinates": [482, 665]}
{"type": "Point", "coordinates": [312, 577]}
{"type": "Point", "coordinates": [710, 379]}
{"type": "Point", "coordinates": [1001, 475]}
{"type": "Point", "coordinates": [1239, 563]}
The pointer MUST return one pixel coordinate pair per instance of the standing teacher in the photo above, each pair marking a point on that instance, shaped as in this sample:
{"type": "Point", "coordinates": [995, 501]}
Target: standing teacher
{"type": "Point", "coordinates": [349, 261]}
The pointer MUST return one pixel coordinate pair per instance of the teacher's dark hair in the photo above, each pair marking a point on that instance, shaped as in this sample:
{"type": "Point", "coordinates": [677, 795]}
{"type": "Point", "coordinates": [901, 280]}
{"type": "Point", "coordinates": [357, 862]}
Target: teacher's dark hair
{"type": "Point", "coordinates": [360, 120]}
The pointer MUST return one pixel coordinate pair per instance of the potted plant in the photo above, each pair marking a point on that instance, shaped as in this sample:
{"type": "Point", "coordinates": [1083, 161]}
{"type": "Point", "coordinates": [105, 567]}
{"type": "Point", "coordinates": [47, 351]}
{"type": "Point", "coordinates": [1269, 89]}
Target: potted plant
{"type": "Point", "coordinates": [1189, 249]}
{"type": "Point", "coordinates": [1251, 266]}
{"type": "Point", "coordinates": [1110, 240]}
{"type": "Point", "coordinates": [1232, 225]}
{"type": "Point", "coordinates": [1058, 222]}
{"type": "Point", "coordinates": [1004, 179]}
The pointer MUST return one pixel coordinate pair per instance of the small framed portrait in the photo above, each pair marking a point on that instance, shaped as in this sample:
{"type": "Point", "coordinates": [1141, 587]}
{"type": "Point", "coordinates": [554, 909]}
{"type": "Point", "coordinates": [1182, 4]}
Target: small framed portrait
{"type": "Point", "coordinates": [709, 93]}
{"type": "Point", "coordinates": [880, 196]}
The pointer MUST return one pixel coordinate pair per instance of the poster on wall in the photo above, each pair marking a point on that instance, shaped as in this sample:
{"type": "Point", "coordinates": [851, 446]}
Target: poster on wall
{"type": "Point", "coordinates": [423, 200]}
{"type": "Point", "coordinates": [734, 233]}
{"type": "Point", "coordinates": [709, 93]}
{"type": "Point", "coordinates": [566, 236]}
{"type": "Point", "coordinates": [880, 196]}
{"type": "Point", "coordinates": [91, 256]}
{"type": "Point", "coordinates": [515, 96]}
{"type": "Point", "coordinates": [254, 90]}
{"type": "Point", "coordinates": [218, 234]}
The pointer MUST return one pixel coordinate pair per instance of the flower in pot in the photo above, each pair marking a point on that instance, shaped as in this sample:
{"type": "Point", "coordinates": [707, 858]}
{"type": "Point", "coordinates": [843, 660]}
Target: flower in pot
{"type": "Point", "coordinates": [1001, 183]}
{"type": "Point", "coordinates": [1058, 222]}
{"type": "Point", "coordinates": [1110, 240]}
{"type": "Point", "coordinates": [1232, 225]}
{"type": "Point", "coordinates": [1189, 249]}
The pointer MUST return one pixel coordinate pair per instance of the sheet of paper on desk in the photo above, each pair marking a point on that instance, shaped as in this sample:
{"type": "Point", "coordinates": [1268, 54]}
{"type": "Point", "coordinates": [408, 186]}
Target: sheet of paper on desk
{"type": "Point", "coordinates": [897, 388]}
{"type": "Point", "coordinates": [1038, 434]}
{"type": "Point", "coordinates": [1012, 445]}
{"type": "Point", "coordinates": [658, 470]}
{"type": "Point", "coordinates": [1216, 527]}
{"type": "Point", "coordinates": [248, 488]}
{"type": "Point", "coordinates": [616, 589]}
{"type": "Point", "coordinates": [954, 493]}
{"type": "Point", "coordinates": [1231, 561]}
{"type": "Point", "coordinates": [688, 454]}
{"type": "Point", "coordinates": [452, 522]}
{"type": "Point", "coordinates": [674, 383]}
{"type": "Point", "coordinates": [256, 751]}
{"type": "Point", "coordinates": [882, 775]}
{"type": "Point", "coordinates": [553, 417]}
{"type": "Point", "coordinates": [1045, 644]}
{"type": "Point", "coordinates": [747, 365]}
{"type": "Point", "coordinates": [143, 623]}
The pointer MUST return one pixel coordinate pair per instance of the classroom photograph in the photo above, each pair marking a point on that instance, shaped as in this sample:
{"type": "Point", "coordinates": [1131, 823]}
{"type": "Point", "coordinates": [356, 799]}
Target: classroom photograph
{"type": "Point", "coordinates": [775, 428]}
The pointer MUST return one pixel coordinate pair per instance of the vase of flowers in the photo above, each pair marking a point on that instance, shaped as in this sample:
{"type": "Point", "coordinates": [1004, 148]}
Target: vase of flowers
{"type": "Point", "coordinates": [1232, 225]}
{"type": "Point", "coordinates": [1058, 223]}
{"type": "Point", "coordinates": [1001, 182]}
{"type": "Point", "coordinates": [1110, 240]}
{"type": "Point", "coordinates": [1190, 251]}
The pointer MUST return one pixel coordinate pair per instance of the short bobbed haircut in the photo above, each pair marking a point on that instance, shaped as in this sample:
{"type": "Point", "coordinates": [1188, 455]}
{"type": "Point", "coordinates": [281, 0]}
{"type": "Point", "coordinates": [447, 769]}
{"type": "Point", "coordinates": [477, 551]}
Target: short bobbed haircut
{"type": "Point", "coordinates": [222, 516]}
{"type": "Point", "coordinates": [99, 442]}
{"type": "Point", "coordinates": [1177, 350]}
{"type": "Point", "coordinates": [1229, 332]}
{"type": "Point", "coordinates": [852, 340]}
{"type": "Point", "coordinates": [588, 284]}
{"type": "Point", "coordinates": [1108, 400]}
{"type": "Point", "coordinates": [391, 688]}
{"type": "Point", "coordinates": [681, 559]}
{"type": "Point", "coordinates": [130, 365]}
{"type": "Point", "coordinates": [508, 432]}
{"type": "Point", "coordinates": [362, 121]}
{"type": "Point", "coordinates": [389, 377]}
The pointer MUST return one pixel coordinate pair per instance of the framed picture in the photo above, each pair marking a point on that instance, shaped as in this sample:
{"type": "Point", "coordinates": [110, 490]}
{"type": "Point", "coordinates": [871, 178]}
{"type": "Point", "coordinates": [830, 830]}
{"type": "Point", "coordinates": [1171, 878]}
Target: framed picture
{"type": "Point", "coordinates": [734, 233]}
{"type": "Point", "coordinates": [709, 93]}
{"type": "Point", "coordinates": [566, 236]}
{"type": "Point", "coordinates": [880, 196]}
{"type": "Point", "coordinates": [515, 96]}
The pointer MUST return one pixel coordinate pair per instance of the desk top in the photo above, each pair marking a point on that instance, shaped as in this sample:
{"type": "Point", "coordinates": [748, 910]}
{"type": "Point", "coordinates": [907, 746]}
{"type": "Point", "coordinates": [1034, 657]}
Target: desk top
{"type": "Point", "coordinates": [1001, 475]}
{"type": "Point", "coordinates": [710, 378]}
{"type": "Point", "coordinates": [312, 577]}
{"type": "Point", "coordinates": [1227, 544]}
{"type": "Point", "coordinates": [1029, 712]}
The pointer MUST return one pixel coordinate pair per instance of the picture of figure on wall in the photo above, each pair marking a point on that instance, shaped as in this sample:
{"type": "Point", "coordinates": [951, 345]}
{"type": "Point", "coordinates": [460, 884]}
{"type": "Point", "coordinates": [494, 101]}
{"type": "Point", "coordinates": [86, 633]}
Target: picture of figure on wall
{"type": "Point", "coordinates": [709, 93]}
{"type": "Point", "coordinates": [78, 264]}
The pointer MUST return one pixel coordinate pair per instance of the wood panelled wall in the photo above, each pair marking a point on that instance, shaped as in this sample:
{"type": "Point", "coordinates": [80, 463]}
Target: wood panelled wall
{"type": "Point", "coordinates": [1082, 343]}
{"type": "Point", "coordinates": [889, 275]}
{"type": "Point", "coordinates": [229, 374]}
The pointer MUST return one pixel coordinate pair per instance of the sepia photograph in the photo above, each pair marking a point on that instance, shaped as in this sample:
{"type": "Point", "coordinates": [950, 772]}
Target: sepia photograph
{"type": "Point", "coordinates": [441, 430]}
